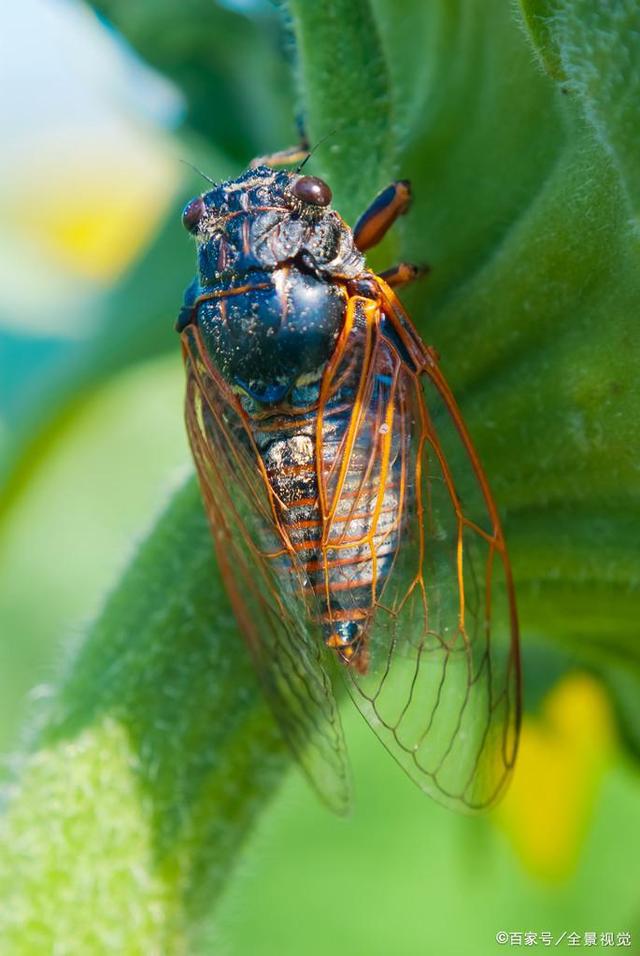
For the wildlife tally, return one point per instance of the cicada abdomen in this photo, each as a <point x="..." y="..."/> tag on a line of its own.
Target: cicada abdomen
<point x="324" y="437"/>
<point x="335" y="463"/>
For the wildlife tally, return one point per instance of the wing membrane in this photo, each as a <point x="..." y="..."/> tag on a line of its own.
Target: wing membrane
<point x="441" y="687"/>
<point x="407" y="514"/>
<point x="266" y="590"/>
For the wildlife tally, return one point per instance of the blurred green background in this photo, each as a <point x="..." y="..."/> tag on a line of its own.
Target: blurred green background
<point x="518" y="128"/>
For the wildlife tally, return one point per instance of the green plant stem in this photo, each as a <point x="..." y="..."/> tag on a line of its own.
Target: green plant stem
<point x="155" y="758"/>
<point x="344" y="79"/>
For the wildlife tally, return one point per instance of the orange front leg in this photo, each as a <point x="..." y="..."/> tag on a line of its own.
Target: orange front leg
<point x="381" y="214"/>
<point x="403" y="273"/>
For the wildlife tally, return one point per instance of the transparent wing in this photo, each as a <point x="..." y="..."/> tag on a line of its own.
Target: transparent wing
<point x="441" y="685"/>
<point x="266" y="591"/>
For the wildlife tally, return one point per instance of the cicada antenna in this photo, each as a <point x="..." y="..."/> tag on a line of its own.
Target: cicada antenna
<point x="314" y="148"/>
<point x="199" y="172"/>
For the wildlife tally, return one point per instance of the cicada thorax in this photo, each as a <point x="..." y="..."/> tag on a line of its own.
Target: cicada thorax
<point x="332" y="457"/>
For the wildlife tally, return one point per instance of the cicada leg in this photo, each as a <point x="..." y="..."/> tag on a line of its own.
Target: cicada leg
<point x="376" y="221"/>
<point x="403" y="273"/>
<point x="284" y="157"/>
<point x="381" y="214"/>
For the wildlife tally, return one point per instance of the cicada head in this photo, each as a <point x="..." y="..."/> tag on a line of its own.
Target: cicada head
<point x="266" y="218"/>
<point x="273" y="260"/>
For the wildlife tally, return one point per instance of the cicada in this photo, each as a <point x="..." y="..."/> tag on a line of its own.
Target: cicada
<point x="353" y="524"/>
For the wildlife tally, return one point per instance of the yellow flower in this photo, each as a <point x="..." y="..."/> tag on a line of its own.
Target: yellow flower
<point x="95" y="206"/>
<point x="563" y="756"/>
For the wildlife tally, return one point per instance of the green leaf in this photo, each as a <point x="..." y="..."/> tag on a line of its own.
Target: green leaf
<point x="79" y="520"/>
<point x="344" y="88"/>
<point x="623" y="680"/>
<point x="537" y="16"/>
<point x="594" y="48"/>
<point x="156" y="756"/>
<point x="237" y="90"/>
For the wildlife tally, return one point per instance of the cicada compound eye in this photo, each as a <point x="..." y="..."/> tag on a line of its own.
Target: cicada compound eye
<point x="193" y="213"/>
<point x="313" y="190"/>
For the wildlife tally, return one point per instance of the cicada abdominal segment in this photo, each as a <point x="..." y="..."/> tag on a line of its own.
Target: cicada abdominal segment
<point x="351" y="517"/>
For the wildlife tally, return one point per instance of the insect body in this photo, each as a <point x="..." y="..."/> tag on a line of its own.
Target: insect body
<point x="352" y="521"/>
